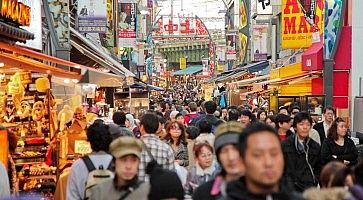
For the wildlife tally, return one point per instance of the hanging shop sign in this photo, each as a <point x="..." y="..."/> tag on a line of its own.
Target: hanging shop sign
<point x="127" y="23"/>
<point x="92" y="16"/>
<point x="260" y="42"/>
<point x="333" y="18"/>
<point x="15" y="11"/>
<point x="264" y="7"/>
<point x="231" y="46"/>
<point x="35" y="26"/>
<point x="183" y="63"/>
<point x="243" y="29"/>
<point x="296" y="30"/>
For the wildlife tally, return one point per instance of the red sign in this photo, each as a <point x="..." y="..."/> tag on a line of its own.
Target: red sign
<point x="16" y="12"/>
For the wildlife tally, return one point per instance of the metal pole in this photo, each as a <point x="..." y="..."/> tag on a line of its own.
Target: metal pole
<point x="328" y="81"/>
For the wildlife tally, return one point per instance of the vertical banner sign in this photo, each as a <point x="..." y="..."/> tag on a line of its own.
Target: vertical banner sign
<point x="296" y="32"/>
<point x="260" y="42"/>
<point x="231" y="46"/>
<point x="92" y="16"/>
<point x="35" y="26"/>
<point x="183" y="63"/>
<point x="59" y="9"/>
<point x="110" y="40"/>
<point x="244" y="29"/>
<point x="127" y="21"/>
<point x="264" y="7"/>
<point x="333" y="17"/>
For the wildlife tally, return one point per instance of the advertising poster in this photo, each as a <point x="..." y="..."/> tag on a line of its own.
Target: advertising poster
<point x="231" y="47"/>
<point x="264" y="7"/>
<point x="260" y="42"/>
<point x="333" y="17"/>
<point x="92" y="16"/>
<point x="35" y="26"/>
<point x="296" y="32"/>
<point x="242" y="47"/>
<point x="127" y="21"/>
<point x="242" y="14"/>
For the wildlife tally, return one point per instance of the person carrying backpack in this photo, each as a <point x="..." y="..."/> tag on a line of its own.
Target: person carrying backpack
<point x="190" y="118"/>
<point x="80" y="176"/>
<point x="127" y="153"/>
<point x="210" y="108"/>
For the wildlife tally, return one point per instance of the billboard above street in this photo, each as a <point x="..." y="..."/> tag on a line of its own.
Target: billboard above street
<point x="92" y="16"/>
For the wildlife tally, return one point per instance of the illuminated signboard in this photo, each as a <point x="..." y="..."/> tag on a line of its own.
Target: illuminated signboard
<point x="296" y="32"/>
<point x="15" y="11"/>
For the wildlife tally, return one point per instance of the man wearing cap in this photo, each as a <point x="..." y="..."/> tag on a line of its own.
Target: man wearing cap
<point x="225" y="145"/>
<point x="126" y="152"/>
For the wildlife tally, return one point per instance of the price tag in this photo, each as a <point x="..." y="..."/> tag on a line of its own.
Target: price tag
<point x="82" y="147"/>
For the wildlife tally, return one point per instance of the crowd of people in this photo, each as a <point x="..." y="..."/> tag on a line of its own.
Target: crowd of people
<point x="195" y="150"/>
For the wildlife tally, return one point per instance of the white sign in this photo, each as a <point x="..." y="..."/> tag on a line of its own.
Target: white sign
<point x="35" y="24"/>
<point x="92" y="16"/>
<point x="264" y="7"/>
<point x="82" y="147"/>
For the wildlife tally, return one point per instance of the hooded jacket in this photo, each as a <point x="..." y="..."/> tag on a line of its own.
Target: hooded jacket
<point x="237" y="190"/>
<point x="302" y="162"/>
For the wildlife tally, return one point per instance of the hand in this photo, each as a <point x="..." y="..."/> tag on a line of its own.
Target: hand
<point x="346" y="162"/>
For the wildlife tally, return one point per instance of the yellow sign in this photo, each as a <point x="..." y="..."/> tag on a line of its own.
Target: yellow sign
<point x="296" y="32"/>
<point x="183" y="63"/>
<point x="220" y="68"/>
<point x="15" y="11"/>
<point x="82" y="147"/>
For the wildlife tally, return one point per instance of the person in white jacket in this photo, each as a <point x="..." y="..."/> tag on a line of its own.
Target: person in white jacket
<point x="4" y="183"/>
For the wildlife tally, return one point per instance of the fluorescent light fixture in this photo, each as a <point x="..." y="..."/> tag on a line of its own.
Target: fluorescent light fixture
<point x="2" y="64"/>
<point x="77" y="67"/>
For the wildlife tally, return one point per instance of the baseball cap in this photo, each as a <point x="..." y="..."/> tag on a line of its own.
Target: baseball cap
<point x="227" y="133"/>
<point x="124" y="146"/>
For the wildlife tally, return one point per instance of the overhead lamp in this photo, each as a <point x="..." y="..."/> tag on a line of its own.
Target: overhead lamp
<point x="66" y="81"/>
<point x="77" y="67"/>
<point x="74" y="80"/>
<point x="2" y="64"/>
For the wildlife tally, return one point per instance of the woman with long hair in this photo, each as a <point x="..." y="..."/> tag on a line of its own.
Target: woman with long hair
<point x="338" y="145"/>
<point x="177" y="140"/>
<point x="262" y="116"/>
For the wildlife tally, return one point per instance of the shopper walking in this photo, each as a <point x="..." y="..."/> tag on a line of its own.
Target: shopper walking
<point x="323" y="127"/>
<point x="177" y="140"/>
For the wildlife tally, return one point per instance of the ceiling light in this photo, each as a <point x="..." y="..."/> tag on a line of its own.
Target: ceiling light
<point x="2" y="64"/>
<point x="77" y="67"/>
<point x="74" y="80"/>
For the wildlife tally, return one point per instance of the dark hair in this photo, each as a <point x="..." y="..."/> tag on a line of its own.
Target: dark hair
<point x="301" y="116"/>
<point x="193" y="132"/>
<point x="252" y="129"/>
<point x="232" y="107"/>
<point x="193" y="106"/>
<point x="332" y="131"/>
<point x="295" y="107"/>
<point x="210" y="107"/>
<point x="178" y="115"/>
<point x="204" y="126"/>
<point x="233" y="115"/>
<point x="283" y="107"/>
<point x="334" y="174"/>
<point x="281" y="118"/>
<point x="260" y="112"/>
<point x="249" y="114"/>
<point x="358" y="173"/>
<point x="272" y="118"/>
<point x="119" y="118"/>
<point x="255" y="110"/>
<point x="198" y="148"/>
<point x="182" y="138"/>
<point x="161" y="119"/>
<point x="99" y="137"/>
<point x="13" y="141"/>
<point x="328" y="108"/>
<point x="150" y="122"/>
<point x="273" y="112"/>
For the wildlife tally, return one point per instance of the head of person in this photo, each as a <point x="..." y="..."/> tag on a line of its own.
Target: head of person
<point x="294" y="111"/>
<point x="246" y="117"/>
<point x="173" y="115"/>
<point x="226" y="147"/>
<point x="338" y="129"/>
<point x="261" y="115"/>
<point x="193" y="107"/>
<point x="210" y="107"/>
<point x="270" y="120"/>
<point x="130" y="121"/>
<point x="119" y="118"/>
<point x="282" y="122"/>
<point x="176" y="133"/>
<point x="329" y="113"/>
<point x="336" y="174"/>
<point x="314" y="101"/>
<point x="262" y="157"/>
<point x="224" y="112"/>
<point x="233" y="115"/>
<point x="99" y="137"/>
<point x="192" y="132"/>
<point x="180" y="118"/>
<point x="283" y="110"/>
<point x="271" y="112"/>
<point x="204" y="126"/>
<point x="149" y="124"/>
<point x="126" y="152"/>
<point x="302" y="124"/>
<point x="203" y="153"/>
<point x="162" y="122"/>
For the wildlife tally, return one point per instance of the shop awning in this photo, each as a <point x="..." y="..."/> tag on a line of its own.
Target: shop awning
<point x="14" y="56"/>
<point x="256" y="67"/>
<point x="189" y="70"/>
<point x="250" y="80"/>
<point x="312" y="59"/>
<point x="102" y="79"/>
<point x="14" y="33"/>
<point x="293" y="79"/>
<point x="96" y="53"/>
<point x="144" y="86"/>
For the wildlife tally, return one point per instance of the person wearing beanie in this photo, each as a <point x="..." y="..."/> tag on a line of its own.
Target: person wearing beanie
<point x="126" y="152"/>
<point x="228" y="156"/>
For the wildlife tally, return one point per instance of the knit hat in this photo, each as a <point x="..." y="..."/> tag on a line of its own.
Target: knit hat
<point x="227" y="133"/>
<point x="165" y="184"/>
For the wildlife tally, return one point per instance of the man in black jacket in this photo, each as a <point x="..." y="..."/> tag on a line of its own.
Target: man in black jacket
<point x="323" y="126"/>
<point x="302" y="154"/>
<point x="210" y="108"/>
<point x="264" y="164"/>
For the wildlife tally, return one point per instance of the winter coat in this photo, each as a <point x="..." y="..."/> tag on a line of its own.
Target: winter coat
<point x="237" y="190"/>
<point x="197" y="176"/>
<point x="346" y="152"/>
<point x="212" y="190"/>
<point x="302" y="162"/>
